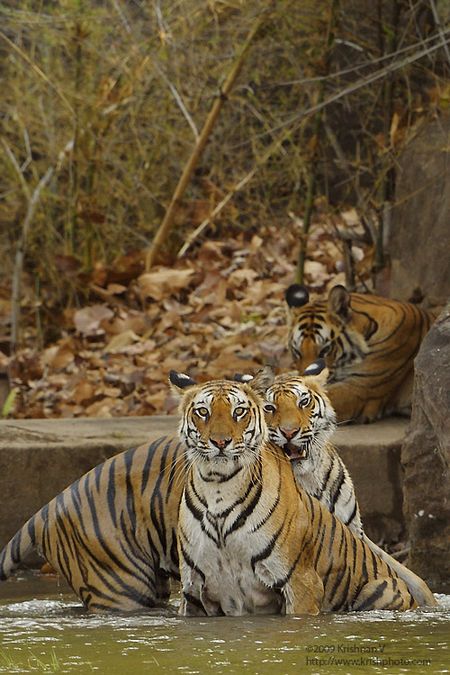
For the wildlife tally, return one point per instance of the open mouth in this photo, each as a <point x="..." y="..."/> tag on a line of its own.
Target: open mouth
<point x="295" y="452"/>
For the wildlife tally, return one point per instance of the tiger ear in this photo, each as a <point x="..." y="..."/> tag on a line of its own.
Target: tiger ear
<point x="260" y="382"/>
<point x="296" y="295"/>
<point x="319" y="371"/>
<point x="339" y="302"/>
<point x="179" y="382"/>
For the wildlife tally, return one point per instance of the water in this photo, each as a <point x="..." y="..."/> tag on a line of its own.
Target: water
<point x="44" y="629"/>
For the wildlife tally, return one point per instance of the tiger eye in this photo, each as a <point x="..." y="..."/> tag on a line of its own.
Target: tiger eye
<point x="240" y="411"/>
<point x="203" y="412"/>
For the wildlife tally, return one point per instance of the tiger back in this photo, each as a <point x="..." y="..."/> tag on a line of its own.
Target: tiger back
<point x="249" y="540"/>
<point x="112" y="533"/>
<point x="369" y="344"/>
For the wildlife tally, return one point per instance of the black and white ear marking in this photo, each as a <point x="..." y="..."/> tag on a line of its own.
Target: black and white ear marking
<point x="180" y="380"/>
<point x="296" y="295"/>
<point x="315" y="368"/>
<point x="242" y="377"/>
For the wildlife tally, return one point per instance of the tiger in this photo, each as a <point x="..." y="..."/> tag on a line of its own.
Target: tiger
<point x="250" y="541"/>
<point x="112" y="533"/>
<point x="301" y="421"/>
<point x="369" y="344"/>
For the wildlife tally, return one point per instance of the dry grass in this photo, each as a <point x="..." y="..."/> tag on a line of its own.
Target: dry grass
<point x="111" y="95"/>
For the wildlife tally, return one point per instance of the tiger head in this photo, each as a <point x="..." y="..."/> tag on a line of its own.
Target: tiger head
<point x="300" y="416"/>
<point x="222" y="421"/>
<point x="328" y="329"/>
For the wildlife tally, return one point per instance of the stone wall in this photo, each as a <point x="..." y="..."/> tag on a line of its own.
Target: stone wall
<point x="426" y="460"/>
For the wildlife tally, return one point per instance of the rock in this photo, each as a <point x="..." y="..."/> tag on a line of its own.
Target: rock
<point x="371" y="453"/>
<point x="421" y="232"/>
<point x="426" y="460"/>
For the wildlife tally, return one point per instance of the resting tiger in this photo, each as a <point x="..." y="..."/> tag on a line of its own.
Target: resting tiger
<point x="112" y="533"/>
<point x="249" y="540"/>
<point x="369" y="344"/>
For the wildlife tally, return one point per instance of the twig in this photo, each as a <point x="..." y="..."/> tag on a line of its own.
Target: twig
<point x="437" y="21"/>
<point x="311" y="184"/>
<point x="402" y="553"/>
<point x="18" y="264"/>
<point x="167" y="223"/>
<point x="37" y="70"/>
<point x="392" y="67"/>
<point x="179" y="101"/>
<point x="218" y="208"/>
<point x="17" y="168"/>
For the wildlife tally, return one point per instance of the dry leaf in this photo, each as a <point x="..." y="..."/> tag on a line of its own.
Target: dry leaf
<point x="87" y="320"/>
<point x="163" y="282"/>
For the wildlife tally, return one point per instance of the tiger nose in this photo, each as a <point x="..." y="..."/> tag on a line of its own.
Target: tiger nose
<point x="220" y="443"/>
<point x="289" y="433"/>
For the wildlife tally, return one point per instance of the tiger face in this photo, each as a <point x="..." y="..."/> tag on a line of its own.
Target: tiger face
<point x="300" y="416"/>
<point x="329" y="329"/>
<point x="222" y="422"/>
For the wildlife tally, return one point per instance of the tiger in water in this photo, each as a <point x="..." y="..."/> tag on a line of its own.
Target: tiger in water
<point x="249" y="540"/>
<point x="369" y="344"/>
<point x="112" y="533"/>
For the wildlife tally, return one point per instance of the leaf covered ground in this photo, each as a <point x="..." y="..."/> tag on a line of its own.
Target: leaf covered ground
<point x="218" y="311"/>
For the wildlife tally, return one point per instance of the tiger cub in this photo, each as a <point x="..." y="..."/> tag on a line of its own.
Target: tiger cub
<point x="249" y="540"/>
<point x="369" y="344"/>
<point x="301" y="421"/>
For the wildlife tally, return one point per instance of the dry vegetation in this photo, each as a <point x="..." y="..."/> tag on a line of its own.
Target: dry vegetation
<point x="102" y="104"/>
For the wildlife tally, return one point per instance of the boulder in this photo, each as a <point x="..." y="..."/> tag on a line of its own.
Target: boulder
<point x="426" y="460"/>
<point x="421" y="233"/>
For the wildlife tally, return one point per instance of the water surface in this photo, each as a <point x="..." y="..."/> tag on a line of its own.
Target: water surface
<point x="44" y="629"/>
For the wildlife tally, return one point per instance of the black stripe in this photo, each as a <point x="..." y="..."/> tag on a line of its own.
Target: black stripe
<point x="352" y="515"/>
<point x="175" y="463"/>
<point x="265" y="553"/>
<point x="369" y="602"/>
<point x="151" y="451"/>
<point x="111" y="492"/>
<point x="194" y="601"/>
<point x="130" y="507"/>
<point x="189" y="562"/>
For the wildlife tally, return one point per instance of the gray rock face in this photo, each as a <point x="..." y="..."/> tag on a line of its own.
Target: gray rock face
<point x="421" y="232"/>
<point x="426" y="459"/>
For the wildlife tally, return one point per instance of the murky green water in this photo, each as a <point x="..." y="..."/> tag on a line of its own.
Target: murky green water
<point x="42" y="629"/>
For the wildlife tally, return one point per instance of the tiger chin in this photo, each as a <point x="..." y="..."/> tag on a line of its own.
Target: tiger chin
<point x="250" y="541"/>
<point x="368" y="343"/>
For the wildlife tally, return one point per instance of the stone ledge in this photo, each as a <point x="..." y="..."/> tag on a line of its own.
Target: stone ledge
<point x="39" y="458"/>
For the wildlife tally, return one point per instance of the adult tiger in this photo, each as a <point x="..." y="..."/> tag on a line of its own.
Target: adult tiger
<point x="249" y="540"/>
<point x="369" y="344"/>
<point x="112" y="533"/>
<point x="302" y="421"/>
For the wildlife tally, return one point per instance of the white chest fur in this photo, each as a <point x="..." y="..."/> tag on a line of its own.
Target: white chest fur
<point x="221" y="525"/>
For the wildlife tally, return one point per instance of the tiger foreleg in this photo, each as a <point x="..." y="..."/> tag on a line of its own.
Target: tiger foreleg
<point x="302" y="592"/>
